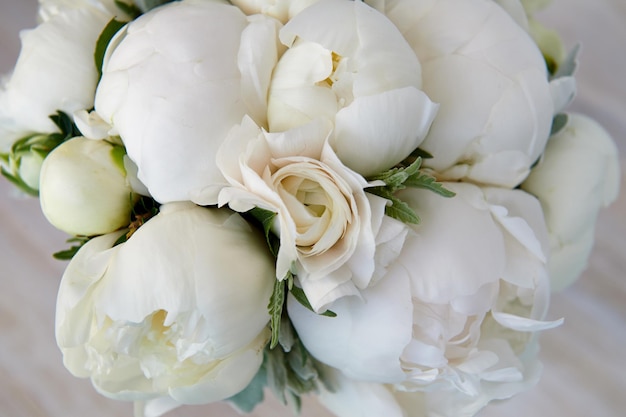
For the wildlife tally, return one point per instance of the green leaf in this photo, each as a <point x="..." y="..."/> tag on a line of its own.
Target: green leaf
<point x="147" y="5"/>
<point x="558" y="123"/>
<point x="424" y="180"/>
<point x="104" y="39"/>
<point x="65" y="123"/>
<point x="400" y="210"/>
<point x="299" y="295"/>
<point x="66" y="255"/>
<point x="395" y="177"/>
<point x="265" y="219"/>
<point x="275" y="308"/>
<point x="253" y="394"/>
<point x="130" y="9"/>
<point x="19" y="183"/>
<point x="293" y="373"/>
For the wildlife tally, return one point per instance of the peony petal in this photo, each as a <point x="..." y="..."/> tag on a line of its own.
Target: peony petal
<point x="456" y="238"/>
<point x="523" y="324"/>
<point x="258" y="53"/>
<point x="372" y="330"/>
<point x="350" y="398"/>
<point x="376" y="132"/>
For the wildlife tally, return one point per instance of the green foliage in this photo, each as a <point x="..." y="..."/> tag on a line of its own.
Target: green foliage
<point x="300" y="296"/>
<point x="130" y="9"/>
<point x="277" y="305"/>
<point x="147" y="5"/>
<point x="104" y="39"/>
<point x="399" y="178"/>
<point x="36" y="145"/>
<point x="66" y="255"/>
<point x="558" y="123"/>
<point x="265" y="220"/>
<point x="66" y="125"/>
<point x="289" y="371"/>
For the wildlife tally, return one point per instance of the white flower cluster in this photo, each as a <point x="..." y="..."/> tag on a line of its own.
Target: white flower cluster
<point x="200" y="119"/>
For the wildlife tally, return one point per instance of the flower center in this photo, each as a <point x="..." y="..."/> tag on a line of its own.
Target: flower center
<point x="318" y="205"/>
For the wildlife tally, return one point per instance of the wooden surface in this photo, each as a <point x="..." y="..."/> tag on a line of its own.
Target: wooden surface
<point x="585" y="359"/>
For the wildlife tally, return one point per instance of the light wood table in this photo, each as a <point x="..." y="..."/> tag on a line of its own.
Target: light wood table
<point x="585" y="359"/>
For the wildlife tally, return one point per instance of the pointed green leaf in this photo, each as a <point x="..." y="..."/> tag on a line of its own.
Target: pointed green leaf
<point x="275" y="308"/>
<point x="400" y="210"/>
<point x="299" y="295"/>
<point x="104" y="39"/>
<point x="423" y="180"/>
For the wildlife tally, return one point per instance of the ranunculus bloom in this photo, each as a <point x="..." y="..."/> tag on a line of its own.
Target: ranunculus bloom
<point x="176" y="80"/>
<point x="172" y="312"/>
<point x="491" y="81"/>
<point x="83" y="188"/>
<point x="577" y="176"/>
<point x="55" y="71"/>
<point x="348" y="63"/>
<point x="456" y="311"/>
<point x="333" y="235"/>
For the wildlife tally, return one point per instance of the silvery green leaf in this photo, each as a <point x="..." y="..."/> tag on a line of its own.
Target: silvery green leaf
<point x="558" y="123"/>
<point x="253" y="394"/>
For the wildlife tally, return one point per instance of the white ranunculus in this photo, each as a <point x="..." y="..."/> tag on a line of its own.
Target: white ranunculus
<point x="333" y="235"/>
<point x="457" y="309"/>
<point x="55" y="71"/>
<point x="83" y="188"/>
<point x="577" y="176"/>
<point x="348" y="62"/>
<point x="491" y="82"/>
<point x="176" y="80"/>
<point x="172" y="312"/>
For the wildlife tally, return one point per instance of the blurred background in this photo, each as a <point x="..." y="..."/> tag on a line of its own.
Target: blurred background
<point x="584" y="359"/>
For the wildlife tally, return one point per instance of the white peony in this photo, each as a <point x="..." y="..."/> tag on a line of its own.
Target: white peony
<point x="348" y="63"/>
<point x="171" y="313"/>
<point x="488" y="75"/>
<point x="577" y="176"/>
<point x="83" y="189"/>
<point x="333" y="235"/>
<point x="176" y="80"/>
<point x="50" y="8"/>
<point x="282" y="10"/>
<point x="457" y="310"/>
<point x="55" y="71"/>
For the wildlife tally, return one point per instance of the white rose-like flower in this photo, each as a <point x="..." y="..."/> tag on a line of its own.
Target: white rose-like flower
<point x="578" y="175"/>
<point x="55" y="71"/>
<point x="176" y="80"/>
<point x="457" y="308"/>
<point x="491" y="81"/>
<point x="333" y="235"/>
<point x="348" y="62"/>
<point x="83" y="188"/>
<point x="172" y="312"/>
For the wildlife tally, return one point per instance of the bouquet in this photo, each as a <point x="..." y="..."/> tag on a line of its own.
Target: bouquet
<point x="365" y="201"/>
